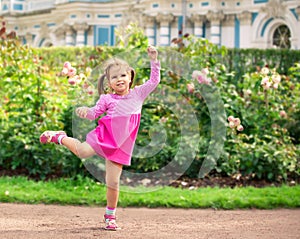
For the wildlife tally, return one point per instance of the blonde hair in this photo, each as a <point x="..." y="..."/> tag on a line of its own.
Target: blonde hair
<point x="114" y="62"/>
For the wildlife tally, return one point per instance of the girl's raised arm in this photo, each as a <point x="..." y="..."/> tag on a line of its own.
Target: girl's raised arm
<point x="152" y="53"/>
<point x="145" y="89"/>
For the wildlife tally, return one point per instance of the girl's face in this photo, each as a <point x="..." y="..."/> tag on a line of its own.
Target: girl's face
<point x="119" y="80"/>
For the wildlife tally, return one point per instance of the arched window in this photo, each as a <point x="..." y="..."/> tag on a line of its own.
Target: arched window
<point x="281" y="37"/>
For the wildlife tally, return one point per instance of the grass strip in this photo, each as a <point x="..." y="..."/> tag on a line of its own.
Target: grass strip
<point x="88" y="192"/>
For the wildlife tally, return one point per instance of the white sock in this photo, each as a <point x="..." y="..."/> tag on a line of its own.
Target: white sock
<point x="110" y="211"/>
<point x="60" y="138"/>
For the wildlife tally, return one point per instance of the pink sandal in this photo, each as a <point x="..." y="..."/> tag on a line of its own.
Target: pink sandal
<point x="51" y="136"/>
<point x="110" y="223"/>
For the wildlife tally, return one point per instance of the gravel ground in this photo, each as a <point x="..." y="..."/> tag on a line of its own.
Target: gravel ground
<point x="62" y="222"/>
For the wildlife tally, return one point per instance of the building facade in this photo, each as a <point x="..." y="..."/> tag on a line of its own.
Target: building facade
<point x="231" y="23"/>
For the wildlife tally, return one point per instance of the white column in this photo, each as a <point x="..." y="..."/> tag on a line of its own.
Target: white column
<point x="228" y="34"/>
<point x="215" y="19"/>
<point x="80" y="29"/>
<point x="198" y="24"/>
<point x="150" y="31"/>
<point x="69" y="35"/>
<point x="296" y="40"/>
<point x="164" y="31"/>
<point x="245" y="29"/>
<point x="60" y="37"/>
<point x="28" y="37"/>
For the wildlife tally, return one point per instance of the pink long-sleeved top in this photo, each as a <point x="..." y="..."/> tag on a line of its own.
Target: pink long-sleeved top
<point x="115" y="135"/>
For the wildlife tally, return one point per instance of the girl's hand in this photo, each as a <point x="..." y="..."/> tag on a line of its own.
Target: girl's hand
<point x="82" y="111"/>
<point x="152" y="53"/>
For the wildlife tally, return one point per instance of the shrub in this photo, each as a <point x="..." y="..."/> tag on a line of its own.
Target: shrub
<point x="243" y="61"/>
<point x="35" y="97"/>
<point x="27" y="109"/>
<point x="265" y="149"/>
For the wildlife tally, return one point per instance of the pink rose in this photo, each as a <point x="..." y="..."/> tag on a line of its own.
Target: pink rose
<point x="90" y="90"/>
<point x="205" y="71"/>
<point x="275" y="85"/>
<point x="78" y="79"/>
<point x="247" y="93"/>
<point x="85" y="85"/>
<point x="64" y="71"/>
<point x="67" y="65"/>
<point x="264" y="80"/>
<point x="267" y="85"/>
<point x="276" y="78"/>
<point x="208" y="81"/>
<point x="265" y="70"/>
<point x="230" y="118"/>
<point x="236" y="121"/>
<point x="283" y="114"/>
<point x="82" y="76"/>
<point x="72" y="81"/>
<point x="190" y="87"/>
<point x="231" y="124"/>
<point x="195" y="74"/>
<point x="203" y="80"/>
<point x="163" y="119"/>
<point x="72" y="72"/>
<point x="240" y="127"/>
<point x="201" y="76"/>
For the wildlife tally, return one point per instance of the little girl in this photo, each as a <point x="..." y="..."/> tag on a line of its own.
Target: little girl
<point x="114" y="137"/>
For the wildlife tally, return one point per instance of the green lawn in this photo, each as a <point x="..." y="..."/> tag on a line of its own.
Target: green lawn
<point x="88" y="192"/>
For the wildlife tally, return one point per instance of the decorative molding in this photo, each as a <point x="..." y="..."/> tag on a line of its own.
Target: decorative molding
<point x="67" y="28"/>
<point x="165" y="18"/>
<point x="245" y="17"/>
<point x="148" y="20"/>
<point x="81" y="26"/>
<point x="215" y="17"/>
<point x="132" y="14"/>
<point x="274" y="9"/>
<point x="229" y="20"/>
<point x="60" y="31"/>
<point x="197" y="18"/>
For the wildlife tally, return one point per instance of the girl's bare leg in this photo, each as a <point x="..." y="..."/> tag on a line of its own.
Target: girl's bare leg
<point x="81" y="150"/>
<point x="113" y="174"/>
<point x="113" y="170"/>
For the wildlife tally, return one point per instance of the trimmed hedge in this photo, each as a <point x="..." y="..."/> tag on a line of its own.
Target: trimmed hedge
<point x="242" y="61"/>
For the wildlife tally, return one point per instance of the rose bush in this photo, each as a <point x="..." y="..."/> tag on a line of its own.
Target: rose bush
<point x="31" y="102"/>
<point x="266" y="148"/>
<point x="263" y="146"/>
<point x="262" y="107"/>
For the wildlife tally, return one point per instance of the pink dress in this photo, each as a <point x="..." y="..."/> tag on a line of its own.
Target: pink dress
<point x="115" y="135"/>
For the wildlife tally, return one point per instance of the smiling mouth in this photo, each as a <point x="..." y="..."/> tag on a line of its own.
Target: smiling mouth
<point x="120" y="84"/>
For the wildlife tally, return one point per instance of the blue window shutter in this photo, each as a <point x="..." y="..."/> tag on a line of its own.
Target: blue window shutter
<point x="103" y="37"/>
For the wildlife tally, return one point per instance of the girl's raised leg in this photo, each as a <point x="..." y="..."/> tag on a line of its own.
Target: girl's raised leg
<point x="81" y="150"/>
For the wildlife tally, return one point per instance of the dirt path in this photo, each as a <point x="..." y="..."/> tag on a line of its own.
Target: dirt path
<point x="63" y="222"/>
